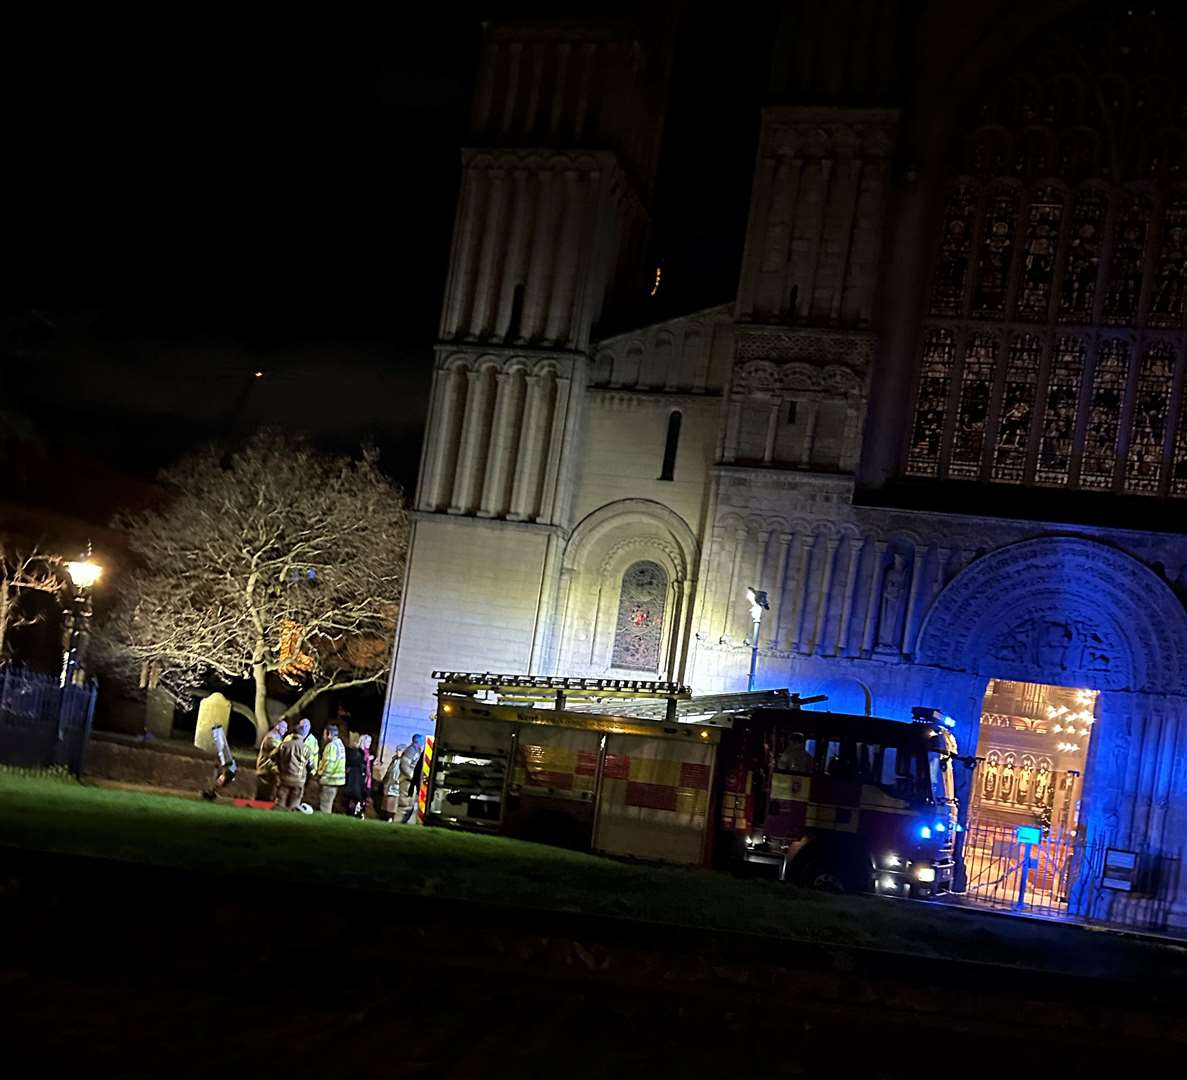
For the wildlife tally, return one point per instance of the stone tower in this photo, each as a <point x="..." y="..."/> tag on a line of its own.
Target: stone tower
<point x="551" y="229"/>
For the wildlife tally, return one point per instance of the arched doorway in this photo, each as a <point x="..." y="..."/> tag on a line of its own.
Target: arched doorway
<point x="1074" y="613"/>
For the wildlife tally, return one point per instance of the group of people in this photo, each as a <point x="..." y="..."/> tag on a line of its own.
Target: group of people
<point x="288" y="760"/>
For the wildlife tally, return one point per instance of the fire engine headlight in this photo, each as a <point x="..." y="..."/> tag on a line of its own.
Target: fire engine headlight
<point x="892" y="862"/>
<point x="926" y="874"/>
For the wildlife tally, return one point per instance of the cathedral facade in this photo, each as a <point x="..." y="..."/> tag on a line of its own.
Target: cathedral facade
<point x="941" y="423"/>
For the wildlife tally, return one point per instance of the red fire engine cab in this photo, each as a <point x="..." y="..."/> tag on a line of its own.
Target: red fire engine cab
<point x="840" y="801"/>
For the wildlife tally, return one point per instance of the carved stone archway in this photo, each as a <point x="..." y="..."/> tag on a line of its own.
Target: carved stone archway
<point x="1074" y="612"/>
<point x="1060" y="610"/>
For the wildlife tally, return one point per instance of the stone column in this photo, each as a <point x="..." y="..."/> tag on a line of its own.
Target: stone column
<point x="464" y="479"/>
<point x="825" y="588"/>
<point x="768" y="454"/>
<point x="732" y="596"/>
<point x="496" y="460"/>
<point x="529" y="449"/>
<point x="559" y="323"/>
<point x="876" y="571"/>
<point x="782" y="595"/>
<point x="803" y="569"/>
<point x="443" y="444"/>
<point x="486" y="287"/>
<point x="918" y="565"/>
<point x="733" y="417"/>
<point x="856" y="547"/>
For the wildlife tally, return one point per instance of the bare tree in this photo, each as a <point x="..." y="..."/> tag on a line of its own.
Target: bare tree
<point x="272" y="559"/>
<point x="24" y="570"/>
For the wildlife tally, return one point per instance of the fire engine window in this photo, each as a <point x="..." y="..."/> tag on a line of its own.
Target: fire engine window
<point x="840" y="760"/>
<point x="794" y="755"/>
<point x="898" y="773"/>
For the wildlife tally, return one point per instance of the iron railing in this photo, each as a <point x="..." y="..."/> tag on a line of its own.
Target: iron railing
<point x="1062" y="875"/>
<point x="42" y="723"/>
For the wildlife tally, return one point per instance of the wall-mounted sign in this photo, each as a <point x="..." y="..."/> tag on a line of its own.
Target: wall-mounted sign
<point x="1121" y="870"/>
<point x="1028" y="834"/>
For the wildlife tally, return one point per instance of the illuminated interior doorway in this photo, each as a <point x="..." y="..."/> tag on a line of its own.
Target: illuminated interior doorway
<point x="1024" y="806"/>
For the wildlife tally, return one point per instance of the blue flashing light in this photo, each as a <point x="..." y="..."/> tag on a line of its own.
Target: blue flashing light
<point x="958" y="827"/>
<point x="941" y="827"/>
<point x="949" y="722"/>
<point x="925" y="832"/>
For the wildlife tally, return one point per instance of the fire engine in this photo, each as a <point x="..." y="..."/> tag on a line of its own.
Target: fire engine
<point x="642" y="769"/>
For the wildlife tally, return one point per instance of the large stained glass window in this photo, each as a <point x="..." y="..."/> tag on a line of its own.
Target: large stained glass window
<point x="992" y="278"/>
<point x="1082" y="266"/>
<point x="1170" y="274"/>
<point x="960" y="212"/>
<point x="1126" y="263"/>
<point x="972" y="410"/>
<point x="1151" y="411"/>
<point x="1109" y="376"/>
<point x="1017" y="408"/>
<point x="639" y="629"/>
<point x="931" y="403"/>
<point x="1179" y="457"/>
<point x="1040" y="245"/>
<point x="1059" y="415"/>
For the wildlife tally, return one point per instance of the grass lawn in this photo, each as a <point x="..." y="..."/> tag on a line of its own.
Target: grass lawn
<point x="62" y="816"/>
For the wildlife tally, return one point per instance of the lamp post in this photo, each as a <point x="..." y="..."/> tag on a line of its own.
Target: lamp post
<point x="757" y="599"/>
<point x="83" y="573"/>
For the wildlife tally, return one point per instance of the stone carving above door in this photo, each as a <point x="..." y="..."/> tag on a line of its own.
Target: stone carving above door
<point x="1062" y="610"/>
<point x="1072" y="647"/>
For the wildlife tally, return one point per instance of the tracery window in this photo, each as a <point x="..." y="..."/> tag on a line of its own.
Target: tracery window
<point x="1151" y="409"/>
<point x="1017" y="408"/>
<point x="638" y="631"/>
<point x="972" y="411"/>
<point x="1059" y="416"/>
<point x="1104" y="414"/>
<point x="1066" y="211"/>
<point x="1040" y="244"/>
<point x="935" y="381"/>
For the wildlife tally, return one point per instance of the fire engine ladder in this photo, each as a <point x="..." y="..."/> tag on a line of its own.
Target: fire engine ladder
<point x="568" y="692"/>
<point x="705" y="709"/>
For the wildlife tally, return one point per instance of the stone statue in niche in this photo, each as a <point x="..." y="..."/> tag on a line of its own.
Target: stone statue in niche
<point x="894" y="597"/>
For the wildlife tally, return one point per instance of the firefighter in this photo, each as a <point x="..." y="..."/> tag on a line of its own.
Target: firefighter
<point x="410" y="763"/>
<point x="331" y="771"/>
<point x="305" y="731"/>
<point x="266" y="770"/>
<point x="292" y="765"/>
<point x="225" y="768"/>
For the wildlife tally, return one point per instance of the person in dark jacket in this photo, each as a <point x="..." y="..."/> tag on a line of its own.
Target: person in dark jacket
<point x="358" y="779"/>
<point x="292" y="765"/>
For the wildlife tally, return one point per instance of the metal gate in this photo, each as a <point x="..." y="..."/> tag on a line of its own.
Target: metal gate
<point x="1058" y="873"/>
<point x="43" y="724"/>
<point x="1004" y="871"/>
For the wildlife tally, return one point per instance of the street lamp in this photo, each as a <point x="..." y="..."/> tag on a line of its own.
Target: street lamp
<point x="84" y="573"/>
<point x="757" y="599"/>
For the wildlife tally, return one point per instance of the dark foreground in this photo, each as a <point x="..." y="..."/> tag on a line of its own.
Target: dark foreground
<point x="127" y="970"/>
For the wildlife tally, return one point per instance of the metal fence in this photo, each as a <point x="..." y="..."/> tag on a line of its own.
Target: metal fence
<point x="43" y="724"/>
<point x="1062" y="875"/>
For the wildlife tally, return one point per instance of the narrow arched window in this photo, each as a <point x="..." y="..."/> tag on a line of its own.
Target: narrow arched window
<point x="514" y="325"/>
<point x="639" y="628"/>
<point x="670" y="447"/>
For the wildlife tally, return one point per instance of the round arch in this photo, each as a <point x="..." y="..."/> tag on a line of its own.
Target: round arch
<point x="1059" y="610"/>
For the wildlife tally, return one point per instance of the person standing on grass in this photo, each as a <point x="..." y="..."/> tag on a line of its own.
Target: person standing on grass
<point x="410" y="762"/>
<point x="305" y="730"/>
<point x="225" y="768"/>
<point x="292" y="767"/>
<point x="266" y="769"/>
<point x="390" y="786"/>
<point x="331" y="771"/>
<point x="358" y="774"/>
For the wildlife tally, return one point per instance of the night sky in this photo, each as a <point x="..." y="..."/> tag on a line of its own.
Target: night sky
<point x="195" y="201"/>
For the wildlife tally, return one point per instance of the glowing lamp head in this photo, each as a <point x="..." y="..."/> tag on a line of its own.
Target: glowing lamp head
<point x="924" y="832"/>
<point x="84" y="573"/>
